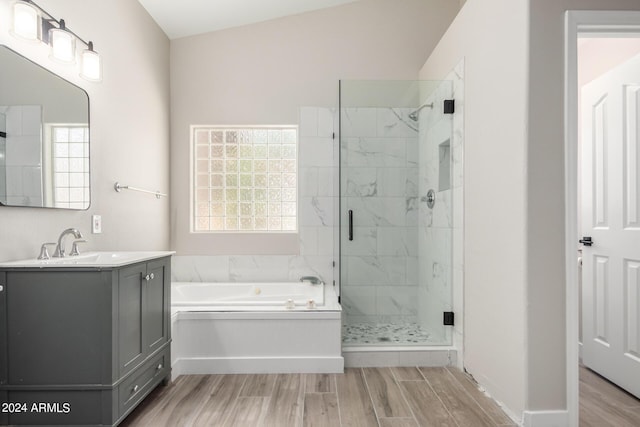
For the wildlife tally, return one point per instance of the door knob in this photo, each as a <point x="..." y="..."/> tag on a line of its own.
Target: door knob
<point x="586" y="240"/>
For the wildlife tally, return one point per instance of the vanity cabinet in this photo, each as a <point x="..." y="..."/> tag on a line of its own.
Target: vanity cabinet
<point x="82" y="345"/>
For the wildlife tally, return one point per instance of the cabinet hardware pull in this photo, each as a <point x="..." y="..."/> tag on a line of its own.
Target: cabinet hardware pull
<point x="147" y="277"/>
<point x="136" y="388"/>
<point x="159" y="367"/>
<point x="151" y="276"/>
<point x="350" y="224"/>
<point x="1" y="288"/>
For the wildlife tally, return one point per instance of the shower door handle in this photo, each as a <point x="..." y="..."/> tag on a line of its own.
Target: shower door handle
<point x="350" y="224"/>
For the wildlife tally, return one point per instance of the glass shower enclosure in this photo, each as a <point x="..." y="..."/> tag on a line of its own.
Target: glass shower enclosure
<point x="395" y="212"/>
<point x="3" y="157"/>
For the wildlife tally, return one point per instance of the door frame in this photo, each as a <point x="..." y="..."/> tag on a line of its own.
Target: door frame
<point x="603" y="23"/>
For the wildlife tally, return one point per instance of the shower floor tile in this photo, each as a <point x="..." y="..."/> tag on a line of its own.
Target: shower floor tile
<point x="384" y="333"/>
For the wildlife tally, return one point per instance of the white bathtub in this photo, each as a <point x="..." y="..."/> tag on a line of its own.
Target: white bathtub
<point x="234" y="295"/>
<point x="249" y="328"/>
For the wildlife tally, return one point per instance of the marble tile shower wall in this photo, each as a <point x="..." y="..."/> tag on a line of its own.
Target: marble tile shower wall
<point x="317" y="168"/>
<point x="380" y="184"/>
<point x="441" y="138"/>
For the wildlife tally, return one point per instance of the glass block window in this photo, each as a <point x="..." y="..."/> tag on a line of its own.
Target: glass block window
<point x="245" y="179"/>
<point x="70" y="146"/>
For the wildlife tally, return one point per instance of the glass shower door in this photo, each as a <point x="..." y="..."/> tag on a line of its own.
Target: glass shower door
<point x="395" y="246"/>
<point x="3" y="155"/>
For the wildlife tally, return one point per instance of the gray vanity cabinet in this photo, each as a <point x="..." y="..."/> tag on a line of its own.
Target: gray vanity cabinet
<point x="82" y="345"/>
<point x="143" y="321"/>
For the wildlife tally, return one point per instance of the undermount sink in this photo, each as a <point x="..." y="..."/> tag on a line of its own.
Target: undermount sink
<point x="90" y="259"/>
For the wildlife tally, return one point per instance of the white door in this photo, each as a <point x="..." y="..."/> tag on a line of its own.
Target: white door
<point x="611" y="217"/>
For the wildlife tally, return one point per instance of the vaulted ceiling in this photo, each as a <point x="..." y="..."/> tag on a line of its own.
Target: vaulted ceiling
<point x="181" y="18"/>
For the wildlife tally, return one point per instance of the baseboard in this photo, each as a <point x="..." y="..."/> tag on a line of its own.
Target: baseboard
<point x="257" y="365"/>
<point x="545" y="419"/>
<point x="580" y="351"/>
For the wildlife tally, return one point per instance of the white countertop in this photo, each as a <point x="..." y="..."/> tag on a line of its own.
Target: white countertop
<point x="90" y="260"/>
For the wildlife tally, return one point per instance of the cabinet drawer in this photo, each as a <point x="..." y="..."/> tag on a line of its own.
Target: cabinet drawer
<point x="143" y="380"/>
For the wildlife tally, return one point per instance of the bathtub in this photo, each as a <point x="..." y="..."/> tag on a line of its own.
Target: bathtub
<point x="247" y="296"/>
<point x="289" y="327"/>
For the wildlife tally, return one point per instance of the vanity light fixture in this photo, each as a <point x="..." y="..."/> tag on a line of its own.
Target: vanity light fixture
<point x="31" y="22"/>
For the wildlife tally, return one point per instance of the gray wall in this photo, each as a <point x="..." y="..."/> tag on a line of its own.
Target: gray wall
<point x="129" y="130"/>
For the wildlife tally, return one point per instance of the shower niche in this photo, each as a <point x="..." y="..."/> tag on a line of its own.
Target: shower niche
<point x="444" y="166"/>
<point x="395" y="250"/>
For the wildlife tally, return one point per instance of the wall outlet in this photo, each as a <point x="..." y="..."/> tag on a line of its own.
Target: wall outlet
<point x="96" y="224"/>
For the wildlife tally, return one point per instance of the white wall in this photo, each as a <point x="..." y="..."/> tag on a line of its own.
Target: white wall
<point x="545" y="174"/>
<point x="43" y="89"/>
<point x="514" y="247"/>
<point x="262" y="74"/>
<point x="129" y="130"/>
<point x="495" y="55"/>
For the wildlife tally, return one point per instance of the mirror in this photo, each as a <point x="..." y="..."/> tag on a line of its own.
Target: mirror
<point x="44" y="137"/>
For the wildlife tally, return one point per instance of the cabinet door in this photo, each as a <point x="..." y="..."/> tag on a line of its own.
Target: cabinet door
<point x="4" y="372"/>
<point x="55" y="326"/>
<point x="155" y="324"/>
<point x="131" y="349"/>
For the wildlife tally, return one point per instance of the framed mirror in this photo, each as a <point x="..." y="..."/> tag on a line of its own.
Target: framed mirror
<point x="44" y="137"/>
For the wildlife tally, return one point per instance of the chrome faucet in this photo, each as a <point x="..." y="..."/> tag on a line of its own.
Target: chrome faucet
<point x="312" y="279"/>
<point x="60" y="252"/>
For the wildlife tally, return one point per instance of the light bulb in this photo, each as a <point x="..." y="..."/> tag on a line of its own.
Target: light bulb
<point x="91" y="64"/>
<point x="63" y="44"/>
<point x="25" y="21"/>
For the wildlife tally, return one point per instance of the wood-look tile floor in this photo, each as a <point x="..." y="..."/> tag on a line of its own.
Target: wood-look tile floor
<point x="385" y="397"/>
<point x="603" y="404"/>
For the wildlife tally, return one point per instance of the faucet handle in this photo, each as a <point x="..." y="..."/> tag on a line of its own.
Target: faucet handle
<point x="44" y="253"/>
<point x="74" y="247"/>
<point x="312" y="279"/>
